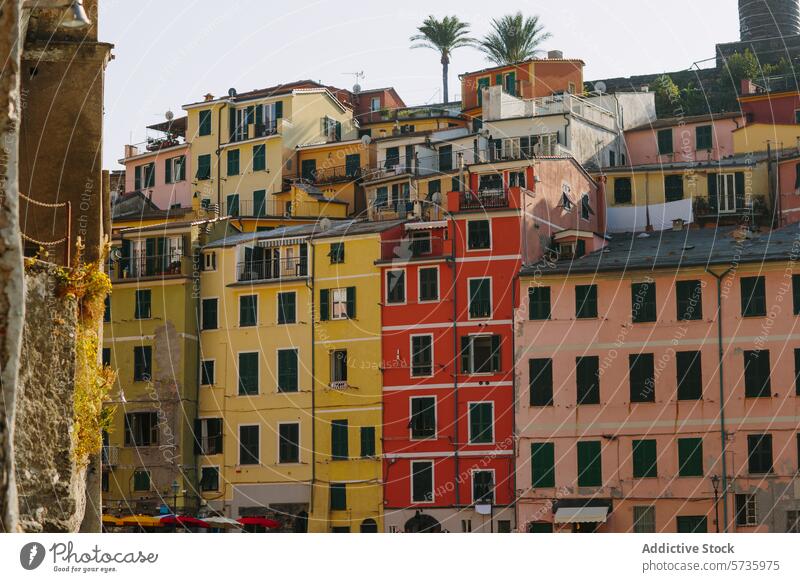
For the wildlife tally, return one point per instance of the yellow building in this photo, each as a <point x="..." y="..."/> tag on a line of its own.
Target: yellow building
<point x="150" y="338"/>
<point x="243" y="149"/>
<point x="348" y="491"/>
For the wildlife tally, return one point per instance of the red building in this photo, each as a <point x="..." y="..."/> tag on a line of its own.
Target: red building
<point x="449" y="292"/>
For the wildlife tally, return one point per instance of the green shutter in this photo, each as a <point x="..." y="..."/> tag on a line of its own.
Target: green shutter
<point x="466" y="349"/>
<point x="168" y="171"/>
<point x="260" y="203"/>
<point x="590" y="472"/>
<point x="644" y="459"/>
<point x="232" y="124"/>
<point x="740" y="190"/>
<point x="287" y="371"/>
<point x="496" y="353"/>
<point x="713" y="197"/>
<point x="690" y="457"/>
<point x="540" y="380"/>
<point x="339" y="449"/>
<point x="367" y="441"/>
<point x="338" y="496"/>
<point x="351" y="302"/>
<point x="278" y="109"/>
<point x="324" y="304"/>
<point x="543" y="460"/>
<point x="480" y="422"/>
<point x="248" y="374"/>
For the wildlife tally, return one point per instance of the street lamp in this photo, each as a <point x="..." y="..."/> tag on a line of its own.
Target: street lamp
<point x="715" y="484"/>
<point x="175" y="488"/>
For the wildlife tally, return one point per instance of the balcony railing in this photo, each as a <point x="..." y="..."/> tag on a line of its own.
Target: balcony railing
<point x="410" y="114"/>
<point x="110" y="456"/>
<point x="270" y="208"/>
<point x="487" y="198"/>
<point x="150" y="265"/>
<point x="335" y="174"/>
<point x="272" y="269"/>
<point x="567" y="103"/>
<point x="254" y="130"/>
<point x="756" y="207"/>
<point x="418" y="245"/>
<point x="419" y="166"/>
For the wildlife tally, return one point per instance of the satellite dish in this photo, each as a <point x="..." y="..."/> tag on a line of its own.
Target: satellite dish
<point x="366" y="140"/>
<point x="231" y="92"/>
<point x="483" y="509"/>
<point x="356" y="88"/>
<point x="600" y="87"/>
<point x="325" y="224"/>
<point x="437" y="198"/>
<point x="169" y="115"/>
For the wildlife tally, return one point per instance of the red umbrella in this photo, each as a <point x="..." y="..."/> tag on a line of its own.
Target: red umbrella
<point x="184" y="520"/>
<point x="262" y="521"/>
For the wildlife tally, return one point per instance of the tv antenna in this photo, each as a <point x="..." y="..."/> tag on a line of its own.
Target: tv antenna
<point x="358" y="75"/>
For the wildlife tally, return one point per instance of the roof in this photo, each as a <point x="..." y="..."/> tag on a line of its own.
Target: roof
<point x="177" y="125"/>
<point x="672" y="121"/>
<point x="342" y="95"/>
<point x="520" y="64"/>
<point x="312" y="190"/>
<point x="138" y="205"/>
<point x="163" y="226"/>
<point x="349" y="227"/>
<point x="690" y="247"/>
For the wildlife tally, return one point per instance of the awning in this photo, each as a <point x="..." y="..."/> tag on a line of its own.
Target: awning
<point x="280" y="242"/>
<point x="431" y="225"/>
<point x="581" y="515"/>
<point x="111" y="520"/>
<point x="223" y="522"/>
<point x="184" y="521"/>
<point x="141" y="521"/>
<point x="259" y="521"/>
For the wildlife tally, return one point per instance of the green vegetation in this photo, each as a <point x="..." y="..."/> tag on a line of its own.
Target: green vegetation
<point x="514" y="38"/>
<point x="443" y="36"/>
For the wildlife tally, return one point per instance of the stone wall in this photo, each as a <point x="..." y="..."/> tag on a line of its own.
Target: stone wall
<point x="51" y="487"/>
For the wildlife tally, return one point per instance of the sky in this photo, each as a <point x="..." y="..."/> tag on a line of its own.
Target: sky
<point x="171" y="52"/>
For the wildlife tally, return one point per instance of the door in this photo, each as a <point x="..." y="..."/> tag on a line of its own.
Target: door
<point x="308" y="170"/>
<point x="692" y="524"/>
<point x="482" y="84"/>
<point x="727" y="193"/>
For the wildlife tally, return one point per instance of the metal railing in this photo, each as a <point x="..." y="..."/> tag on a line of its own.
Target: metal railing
<point x="408" y="114"/>
<point x="254" y="130"/>
<point x="487" y="198"/>
<point x="756" y="206"/>
<point x="413" y="246"/>
<point x="335" y="174"/>
<point x="142" y="264"/>
<point x="110" y="456"/>
<point x="577" y="106"/>
<point x="272" y="269"/>
<point x="418" y="166"/>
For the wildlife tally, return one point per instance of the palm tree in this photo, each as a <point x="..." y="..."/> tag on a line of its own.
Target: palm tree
<point x="444" y="36"/>
<point x="514" y="38"/>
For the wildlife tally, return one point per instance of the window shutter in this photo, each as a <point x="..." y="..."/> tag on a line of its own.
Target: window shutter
<point x="498" y="79"/>
<point x="232" y="123"/>
<point x="198" y="434"/>
<point x="338" y="131"/>
<point x="278" y="109"/>
<point x="351" y="302"/>
<point x="168" y="171"/>
<point x="259" y="115"/>
<point x="712" y="192"/>
<point x="324" y="304"/>
<point x="495" y="353"/>
<point x="137" y="178"/>
<point x="740" y="190"/>
<point x="543" y="465"/>
<point x="466" y="346"/>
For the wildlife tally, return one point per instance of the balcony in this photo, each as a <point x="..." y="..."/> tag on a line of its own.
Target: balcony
<point x="335" y="174"/>
<point x="142" y="265"/>
<point x="424" y="166"/>
<point x="409" y="114"/>
<point x="255" y="130"/>
<point x="110" y="456"/>
<point x="270" y="208"/>
<point x="272" y="269"/>
<point x="485" y="199"/>
<point x="415" y="245"/>
<point x="733" y="211"/>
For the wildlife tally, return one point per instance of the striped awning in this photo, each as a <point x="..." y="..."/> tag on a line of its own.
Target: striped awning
<point x="280" y="242"/>
<point x="581" y="515"/>
<point x="426" y="225"/>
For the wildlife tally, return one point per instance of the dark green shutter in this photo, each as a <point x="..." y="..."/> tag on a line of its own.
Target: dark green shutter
<point x="125" y="256"/>
<point x="168" y="171"/>
<point x="278" y="109"/>
<point x="339" y="449"/>
<point x="232" y="123"/>
<point x="287" y="371"/>
<point x="198" y="427"/>
<point x="351" y="302"/>
<point x="466" y="348"/>
<point x="740" y="190"/>
<point x="644" y="459"/>
<point x="495" y="353"/>
<point x="690" y="457"/>
<point x="324" y="304"/>
<point x="540" y="375"/>
<point x="590" y="472"/>
<point x="713" y="198"/>
<point x="367" y="441"/>
<point x="260" y="203"/>
<point x="543" y="461"/>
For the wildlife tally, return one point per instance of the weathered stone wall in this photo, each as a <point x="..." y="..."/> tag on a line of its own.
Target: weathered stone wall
<point x="51" y="487"/>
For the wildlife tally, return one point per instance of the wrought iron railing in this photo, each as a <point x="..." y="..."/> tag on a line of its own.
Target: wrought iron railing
<point x="270" y="269"/>
<point x="487" y="198"/>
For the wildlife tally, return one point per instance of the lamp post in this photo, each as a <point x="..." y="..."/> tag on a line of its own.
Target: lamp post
<point x="175" y="488"/>
<point x="715" y="484"/>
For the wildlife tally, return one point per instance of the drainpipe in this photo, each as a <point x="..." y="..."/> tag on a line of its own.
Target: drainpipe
<point x="722" y="431"/>
<point x="456" y="356"/>
<point x="219" y="155"/>
<point x="310" y="286"/>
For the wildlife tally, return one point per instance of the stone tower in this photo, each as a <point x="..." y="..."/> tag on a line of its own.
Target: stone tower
<point x="766" y="19"/>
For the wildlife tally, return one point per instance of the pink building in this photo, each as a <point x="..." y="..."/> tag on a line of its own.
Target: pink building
<point x="159" y="168"/>
<point x="683" y="139"/>
<point x="619" y="415"/>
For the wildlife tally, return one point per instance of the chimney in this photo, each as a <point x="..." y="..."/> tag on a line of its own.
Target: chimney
<point x="130" y="151"/>
<point x="208" y="97"/>
<point x="555" y="54"/>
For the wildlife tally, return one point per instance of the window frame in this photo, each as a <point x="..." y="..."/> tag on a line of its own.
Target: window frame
<point x="298" y="445"/>
<point x="472" y="368"/>
<point x="388" y="291"/>
<point x="411" y="338"/>
<point x="279" y="310"/>
<point x="750" y="454"/>
<point x="661" y="133"/>
<point x="546" y="363"/>
<point x="146" y="374"/>
<point x="747" y="302"/>
<point x="243" y="310"/>
<point x="579" y="306"/>
<point x="200" y="481"/>
<point x="411" y="427"/>
<point x="695" y="454"/>
<point x="213" y="363"/>
<point x="239" y="355"/>
<point x="433" y="481"/>
<point x="534" y="314"/>
<point x="471" y="436"/>
<point x="643" y="314"/>
<point x="697" y="310"/>
<point x="470" y="316"/>
<point x="548" y="480"/>
<point x="596" y="390"/>
<point x="333" y="359"/>
<point x="470" y="222"/>
<point x="473" y="471"/>
<point x="239" y="428"/>
<point x="419" y="285"/>
<point x="203" y="312"/>
<point x="138" y="303"/>
<point x="278" y="388"/>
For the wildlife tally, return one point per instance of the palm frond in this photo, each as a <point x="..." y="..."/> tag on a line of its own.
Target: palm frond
<point x="513" y="38"/>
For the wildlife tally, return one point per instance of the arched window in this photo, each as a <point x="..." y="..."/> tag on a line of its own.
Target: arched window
<point x="369" y="526"/>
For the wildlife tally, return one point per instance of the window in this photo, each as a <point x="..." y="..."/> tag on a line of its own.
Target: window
<point x="429" y="284"/>
<point x="643" y="302"/>
<point x="539" y="303"/>
<point x="644" y="519"/>
<point x="141" y="480"/>
<point x="209" y="479"/>
<point x="339" y="368"/>
<point x="544" y="527"/>
<point x="645" y="459"/>
<point x="339" y="497"/>
<point x="145" y="176"/>
<point x="690" y="300"/>
<point x="287" y="370"/>
<point x="759" y="454"/>
<point x="248" y="310"/>
<point x="107" y="312"/>
<point x="337" y="303"/>
<point x="543" y="465"/>
<point x="248" y="374"/>
<point x="587" y="376"/>
<point x="797" y="372"/>
<point x="289" y="442"/>
<point x="204" y="167"/>
<point x="233" y="162"/>
<point x="690" y="457"/>
<point x="367" y="441"/>
<point x="756" y="374"/>
<point x="142" y="363"/>
<point x="690" y="375"/>
<point x="339" y="448"/>
<point x="480" y="354"/>
<point x="142" y="307"/>
<point x="445" y="158"/>
<point x="642" y="378"/>
<point x="395" y="287"/>
<point x="336" y="253"/>
<point x="673" y="188"/>
<point x="793" y="522"/>
<point x="541" y="381"/>
<point x="141" y="429"/>
<point x="590" y="469"/>
<point x="480" y="298"/>
<point x="175" y="169"/>
<point x="478" y="235"/>
<point x="421" y="481"/>
<point x="106" y="357"/>
<point x="623" y="192"/>
<point x="210" y="261"/>
<point x="249" y="444"/>
<point x="481" y="422"/>
<point x="287" y="308"/>
<point x="423" y="417"/>
<point x="754" y="297"/>
<point x="259" y="158"/>
<point x="422" y="355"/>
<point x="375" y="104"/>
<point x="586" y="301"/>
<point x="692" y="524"/>
<point x="746" y="509"/>
<point x="207" y="436"/>
<point x="209" y="314"/>
<point x="703" y="137"/>
<point x="392" y="157"/>
<point x="207" y="373"/>
<point x="664" y="141"/>
<point x="483" y="487"/>
<point x="796" y="291"/>
<point x="259" y="203"/>
<point x="205" y="122"/>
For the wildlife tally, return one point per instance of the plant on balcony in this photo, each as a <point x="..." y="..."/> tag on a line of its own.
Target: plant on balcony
<point x="700" y="206"/>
